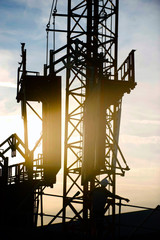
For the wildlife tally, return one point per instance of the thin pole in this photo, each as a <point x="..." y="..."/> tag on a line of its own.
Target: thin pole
<point x="115" y="121"/>
<point x="66" y="118"/>
<point x="41" y="195"/>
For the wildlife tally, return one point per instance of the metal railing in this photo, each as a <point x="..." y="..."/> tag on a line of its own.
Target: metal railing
<point x="17" y="173"/>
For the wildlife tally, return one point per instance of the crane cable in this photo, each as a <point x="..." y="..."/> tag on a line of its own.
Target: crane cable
<point x="52" y="13"/>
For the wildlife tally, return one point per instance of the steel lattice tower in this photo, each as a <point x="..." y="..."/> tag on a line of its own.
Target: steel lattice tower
<point x="94" y="90"/>
<point x="95" y="85"/>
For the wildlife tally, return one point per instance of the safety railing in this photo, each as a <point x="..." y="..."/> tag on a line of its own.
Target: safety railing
<point x="126" y="71"/>
<point x="17" y="173"/>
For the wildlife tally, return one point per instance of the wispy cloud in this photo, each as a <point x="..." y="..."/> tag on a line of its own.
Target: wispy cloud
<point x="138" y="140"/>
<point x="8" y="65"/>
<point x="139" y="29"/>
<point x="8" y="84"/>
<point x="6" y="80"/>
<point x="147" y="122"/>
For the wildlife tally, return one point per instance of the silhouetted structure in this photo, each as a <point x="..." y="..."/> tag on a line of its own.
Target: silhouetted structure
<point x="94" y="90"/>
<point x="23" y="182"/>
<point x="45" y="89"/>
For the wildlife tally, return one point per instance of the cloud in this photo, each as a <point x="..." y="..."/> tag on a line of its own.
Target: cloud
<point x="8" y="84"/>
<point x="147" y="122"/>
<point x="140" y="111"/>
<point x="21" y="23"/>
<point x="8" y="103"/>
<point x="6" y="80"/>
<point x="9" y="125"/>
<point x="33" y="3"/>
<point x="141" y="183"/>
<point x="139" y="29"/>
<point x="137" y="140"/>
<point x="8" y="65"/>
<point x="43" y="8"/>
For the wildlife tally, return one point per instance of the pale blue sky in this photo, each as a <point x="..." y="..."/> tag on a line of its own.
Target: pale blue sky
<point x="25" y="21"/>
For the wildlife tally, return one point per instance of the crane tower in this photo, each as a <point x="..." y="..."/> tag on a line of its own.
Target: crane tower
<point x="83" y="59"/>
<point x="94" y="90"/>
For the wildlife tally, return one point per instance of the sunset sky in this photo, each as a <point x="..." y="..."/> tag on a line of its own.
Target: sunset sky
<point x="139" y="29"/>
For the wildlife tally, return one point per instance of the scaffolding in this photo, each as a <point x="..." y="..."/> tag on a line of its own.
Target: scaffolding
<point x="95" y="85"/>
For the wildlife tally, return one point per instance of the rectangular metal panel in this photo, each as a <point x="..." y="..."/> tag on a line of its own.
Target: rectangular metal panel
<point x="51" y="107"/>
<point x="93" y="159"/>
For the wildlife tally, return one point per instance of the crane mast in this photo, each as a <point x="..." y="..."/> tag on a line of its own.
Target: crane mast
<point x="94" y="90"/>
<point x="83" y="60"/>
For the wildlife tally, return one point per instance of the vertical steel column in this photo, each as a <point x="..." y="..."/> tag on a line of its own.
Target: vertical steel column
<point x="89" y="85"/>
<point x="91" y="76"/>
<point x="24" y="115"/>
<point x="116" y="115"/>
<point x="115" y="78"/>
<point x="28" y="154"/>
<point x="89" y="50"/>
<point x="41" y="199"/>
<point x="66" y="116"/>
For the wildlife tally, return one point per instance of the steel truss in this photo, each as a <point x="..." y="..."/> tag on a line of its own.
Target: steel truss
<point x="15" y="177"/>
<point x="91" y="55"/>
<point x="89" y="60"/>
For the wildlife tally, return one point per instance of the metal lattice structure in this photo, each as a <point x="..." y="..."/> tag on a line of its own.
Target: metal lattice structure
<point x="91" y="74"/>
<point x="88" y="62"/>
